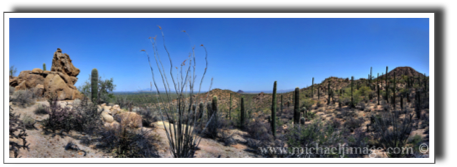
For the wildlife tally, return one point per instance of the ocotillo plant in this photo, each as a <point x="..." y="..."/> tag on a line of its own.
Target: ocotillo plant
<point x="273" y="111"/>
<point x="387" y="86"/>
<point x="242" y="113"/>
<point x="44" y="66"/>
<point x="297" y="106"/>
<point x="94" y="85"/>
<point x="182" y="140"/>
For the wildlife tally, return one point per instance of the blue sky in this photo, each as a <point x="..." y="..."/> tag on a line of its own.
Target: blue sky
<point x="246" y="54"/>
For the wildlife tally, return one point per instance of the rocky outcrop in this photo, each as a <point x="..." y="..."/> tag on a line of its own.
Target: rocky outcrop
<point x="129" y="119"/>
<point x="58" y="82"/>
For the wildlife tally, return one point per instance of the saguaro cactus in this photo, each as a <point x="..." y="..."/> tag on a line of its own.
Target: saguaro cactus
<point x="394" y="87"/>
<point x="387" y="85"/>
<point x="312" y="89"/>
<point x="329" y="92"/>
<point x="94" y="85"/>
<point x="273" y="111"/>
<point x="230" y="107"/>
<point x="44" y="66"/>
<point x="200" y="113"/>
<point x="297" y="106"/>
<point x="242" y="113"/>
<point x="214" y="120"/>
<point x="377" y="84"/>
<point x="352" y="90"/>
<point x="318" y="93"/>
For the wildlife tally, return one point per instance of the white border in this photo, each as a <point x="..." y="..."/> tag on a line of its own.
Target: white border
<point x="431" y="158"/>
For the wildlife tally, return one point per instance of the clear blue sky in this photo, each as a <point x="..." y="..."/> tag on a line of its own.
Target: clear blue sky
<point x="246" y="54"/>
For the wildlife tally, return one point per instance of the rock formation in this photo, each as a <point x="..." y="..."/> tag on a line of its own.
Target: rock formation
<point x="59" y="81"/>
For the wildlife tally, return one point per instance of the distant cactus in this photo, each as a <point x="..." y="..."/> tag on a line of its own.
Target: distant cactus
<point x="352" y="90"/>
<point x="208" y="110"/>
<point x="394" y="89"/>
<point x="94" y="85"/>
<point x="296" y="106"/>
<point x="230" y="107"/>
<point x="401" y="102"/>
<point x="214" y="106"/>
<point x="377" y="84"/>
<point x="242" y="113"/>
<point x="44" y="66"/>
<point x="312" y="89"/>
<point x="318" y="93"/>
<point x="273" y="111"/>
<point x="387" y="86"/>
<point x="200" y="113"/>
<point x="329" y="91"/>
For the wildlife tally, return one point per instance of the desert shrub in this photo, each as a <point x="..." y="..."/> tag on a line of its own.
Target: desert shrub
<point x="308" y="116"/>
<point x="227" y="138"/>
<point x="23" y="98"/>
<point x="356" y="141"/>
<point x="105" y="89"/>
<point x="84" y="117"/>
<point x="127" y="143"/>
<point x="123" y="102"/>
<point x="348" y="113"/>
<point x="415" y="142"/>
<point x="353" y="123"/>
<point x="148" y="116"/>
<point x="29" y="122"/>
<point x="335" y="123"/>
<point x="17" y="134"/>
<point x="11" y="90"/>
<point x="307" y="103"/>
<point x="362" y="105"/>
<point x="41" y="110"/>
<point x="313" y="135"/>
<point x="397" y="135"/>
<point x="259" y="130"/>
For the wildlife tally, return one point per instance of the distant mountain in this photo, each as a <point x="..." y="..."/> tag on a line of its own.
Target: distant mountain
<point x="240" y="91"/>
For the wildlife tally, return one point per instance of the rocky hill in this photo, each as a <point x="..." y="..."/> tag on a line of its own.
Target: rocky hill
<point x="400" y="71"/>
<point x="59" y="81"/>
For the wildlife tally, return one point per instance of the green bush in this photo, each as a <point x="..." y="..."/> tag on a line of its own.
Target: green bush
<point x="23" y="98"/>
<point x="105" y="89"/>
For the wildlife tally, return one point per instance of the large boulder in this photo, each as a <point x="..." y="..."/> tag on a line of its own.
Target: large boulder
<point x="129" y="119"/>
<point x="59" y="81"/>
<point x="61" y="62"/>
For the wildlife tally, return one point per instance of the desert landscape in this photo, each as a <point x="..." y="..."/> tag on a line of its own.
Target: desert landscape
<point x="184" y="114"/>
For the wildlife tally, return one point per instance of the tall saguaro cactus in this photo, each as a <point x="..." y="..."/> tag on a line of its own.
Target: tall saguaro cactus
<point x="371" y="77"/>
<point x="242" y="113"/>
<point x="44" y="66"/>
<point x="387" y="86"/>
<point x="297" y="106"/>
<point x="312" y="89"/>
<point x="329" y="92"/>
<point x="377" y="84"/>
<point x="214" y="120"/>
<point x="352" y="90"/>
<point x="230" y="107"/>
<point x="94" y="85"/>
<point x="273" y="111"/>
<point x="394" y="87"/>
